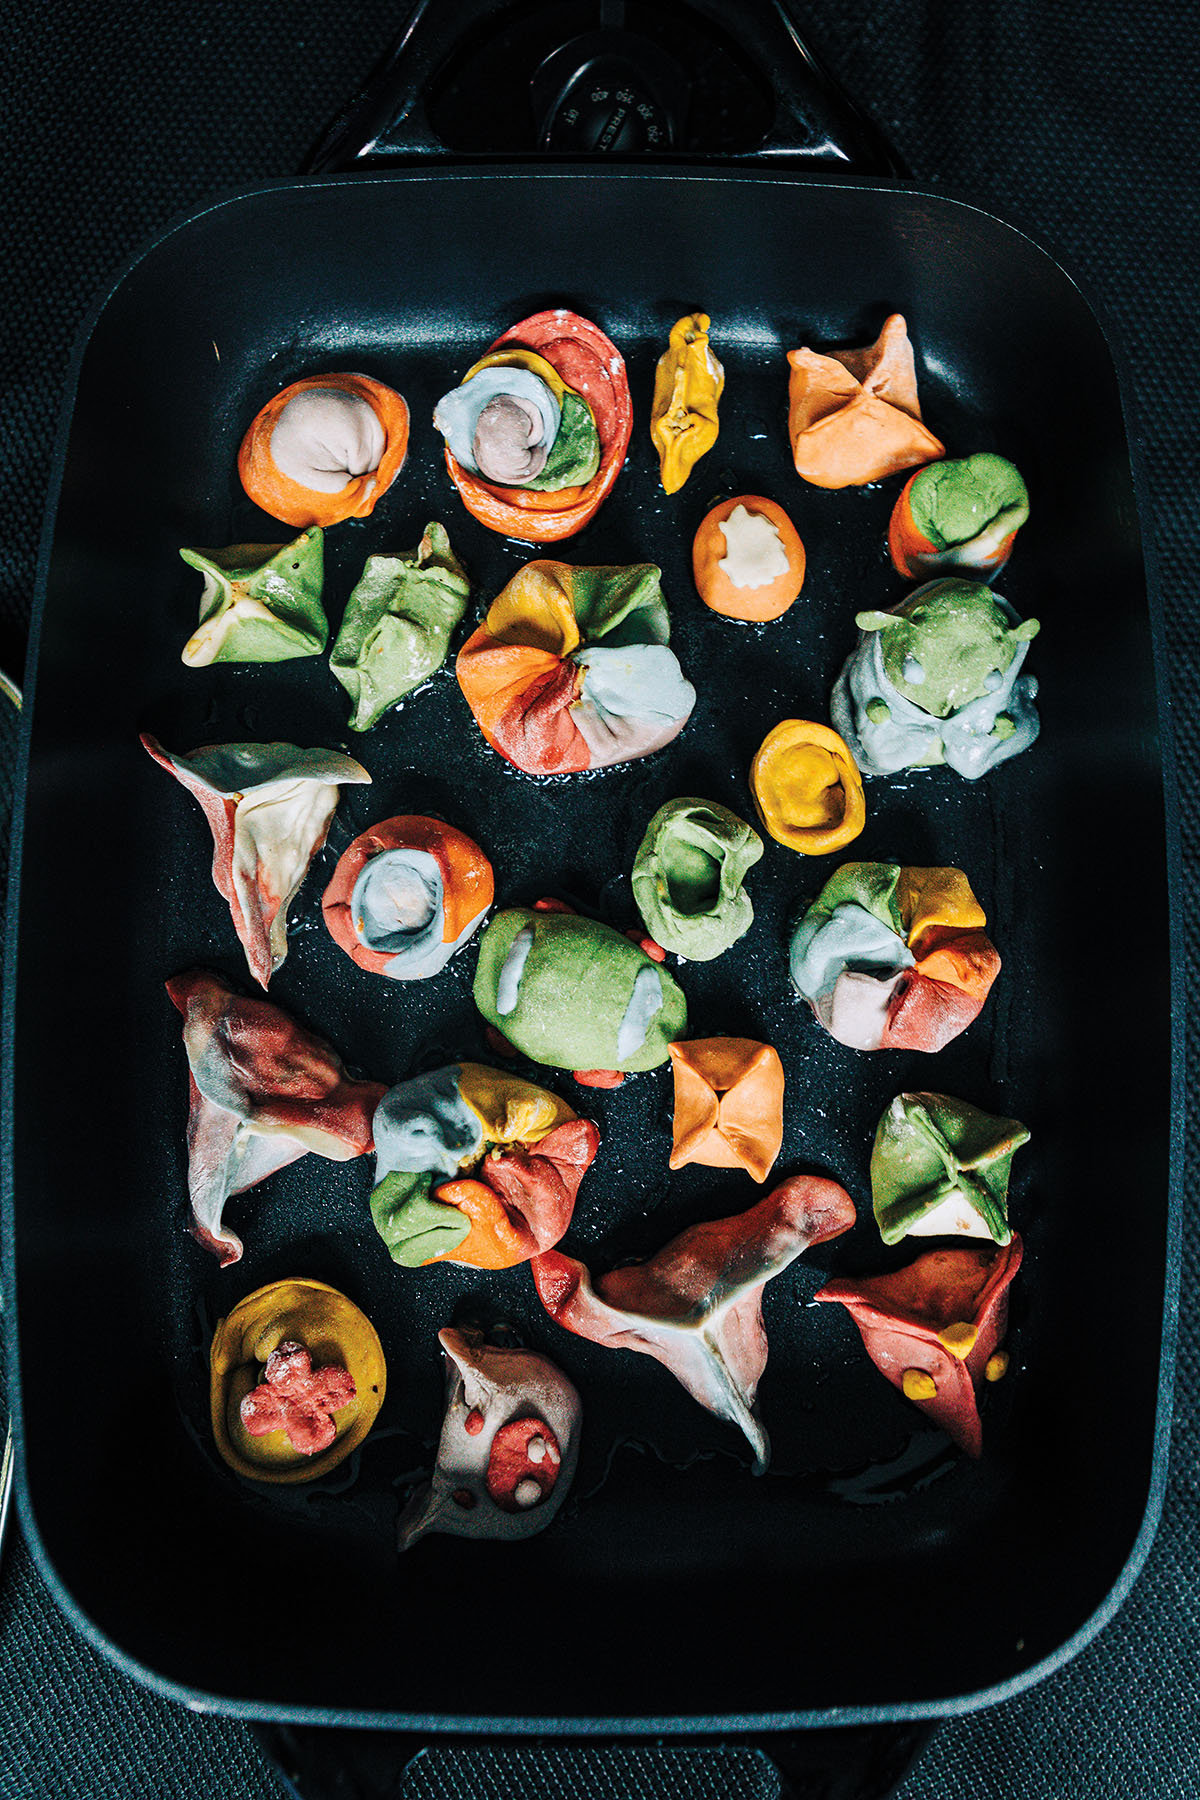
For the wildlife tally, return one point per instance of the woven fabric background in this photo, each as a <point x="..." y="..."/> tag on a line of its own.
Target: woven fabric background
<point x="1082" y="124"/>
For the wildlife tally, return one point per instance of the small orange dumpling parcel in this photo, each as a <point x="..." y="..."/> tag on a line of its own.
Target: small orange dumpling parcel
<point x="854" y="416"/>
<point x="728" y="1104"/>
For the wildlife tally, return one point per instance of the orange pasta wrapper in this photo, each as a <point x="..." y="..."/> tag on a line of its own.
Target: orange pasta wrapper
<point x="728" y="1104"/>
<point x="854" y="415"/>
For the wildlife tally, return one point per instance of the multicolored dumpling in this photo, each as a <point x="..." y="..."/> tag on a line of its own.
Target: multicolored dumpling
<point x="269" y="808"/>
<point x="508" y="1447"/>
<point x="475" y="1166"/>
<point x="940" y="1168"/>
<point x="958" y="515"/>
<point x="261" y="603"/>
<point x="574" y="993"/>
<point x="536" y="432"/>
<point x="296" y="1380"/>
<point x="407" y="895"/>
<point x="570" y="669"/>
<point x="938" y="680"/>
<point x="893" y="958"/>
<point x="935" y="1329"/>
<point x="325" y="449"/>
<point x="264" y="1091"/>
<point x="696" y="1306"/>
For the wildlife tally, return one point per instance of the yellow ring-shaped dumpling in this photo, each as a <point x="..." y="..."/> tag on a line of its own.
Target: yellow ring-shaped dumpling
<point x="807" y="788"/>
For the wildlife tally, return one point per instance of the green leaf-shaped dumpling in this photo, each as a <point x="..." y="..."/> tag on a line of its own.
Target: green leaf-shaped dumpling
<point x="397" y="626"/>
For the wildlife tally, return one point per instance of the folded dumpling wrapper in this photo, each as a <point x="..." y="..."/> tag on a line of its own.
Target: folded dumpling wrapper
<point x="570" y="669"/>
<point x="958" y="515"/>
<point x="325" y="449"/>
<point x="476" y="1166"/>
<point x="854" y="415"/>
<point x="344" y="1381"/>
<point x="696" y="1306"/>
<point x="508" y="1447"/>
<point x="893" y="958"/>
<point x="689" y="877"/>
<point x="268" y="807"/>
<point x="583" y="372"/>
<point x="576" y="994"/>
<point x="938" y="680"/>
<point x="261" y="603"/>
<point x="396" y="628"/>
<point x="940" y="1168"/>
<point x="407" y="895"/>
<point x="728" y="1104"/>
<point x="688" y="383"/>
<point x="807" y="788"/>
<point x="934" y="1329"/>
<point x="263" y="1092"/>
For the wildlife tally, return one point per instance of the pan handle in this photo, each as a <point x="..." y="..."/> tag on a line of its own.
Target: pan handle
<point x="816" y="125"/>
<point x="853" y="1762"/>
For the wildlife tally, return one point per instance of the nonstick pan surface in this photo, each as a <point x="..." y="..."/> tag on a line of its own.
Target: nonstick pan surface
<point x="873" y="1572"/>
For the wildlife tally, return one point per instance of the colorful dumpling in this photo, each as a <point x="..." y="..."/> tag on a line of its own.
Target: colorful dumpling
<point x="747" y="559"/>
<point x="574" y="993"/>
<point x="960" y="515"/>
<point x="688" y="382"/>
<point x="475" y="1166"/>
<point x="807" y="788"/>
<point x="935" y="1329"/>
<point x="296" y="1380"/>
<point x="325" y="449"/>
<point x="407" y="895"/>
<point x="263" y="1091"/>
<point x="728" y="1105"/>
<point x="508" y="1448"/>
<point x="940" y="1168"/>
<point x="570" y="669"/>
<point x="696" y="1306"/>
<point x="537" y="430"/>
<point x="893" y="958"/>
<point x="261" y="603"/>
<point x="854" y="415"/>
<point x="396" y="628"/>
<point x="268" y="807"/>
<point x="689" y="876"/>
<point x="938" y="680"/>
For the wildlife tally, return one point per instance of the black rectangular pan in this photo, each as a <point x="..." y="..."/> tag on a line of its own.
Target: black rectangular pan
<point x="872" y="1574"/>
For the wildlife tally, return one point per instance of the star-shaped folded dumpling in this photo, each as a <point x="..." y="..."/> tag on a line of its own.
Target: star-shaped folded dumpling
<point x="934" y="1329"/>
<point x="728" y="1104"/>
<point x="854" y="415"/>
<point x="696" y="1306"/>
<point x="260" y="603"/>
<point x="264" y="1091"/>
<point x="940" y="1168"/>
<point x="268" y="807"/>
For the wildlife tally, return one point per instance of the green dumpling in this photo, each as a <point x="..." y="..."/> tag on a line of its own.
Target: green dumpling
<point x="574" y="993"/>
<point x="688" y="877"/>
<point x="261" y="602"/>
<point x="397" y="625"/>
<point x="940" y="1168"/>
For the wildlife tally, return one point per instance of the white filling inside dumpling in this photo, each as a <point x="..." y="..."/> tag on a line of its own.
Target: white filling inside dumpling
<point x="325" y="438"/>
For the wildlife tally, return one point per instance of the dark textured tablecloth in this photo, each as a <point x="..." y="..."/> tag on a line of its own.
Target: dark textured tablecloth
<point x="1081" y="123"/>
